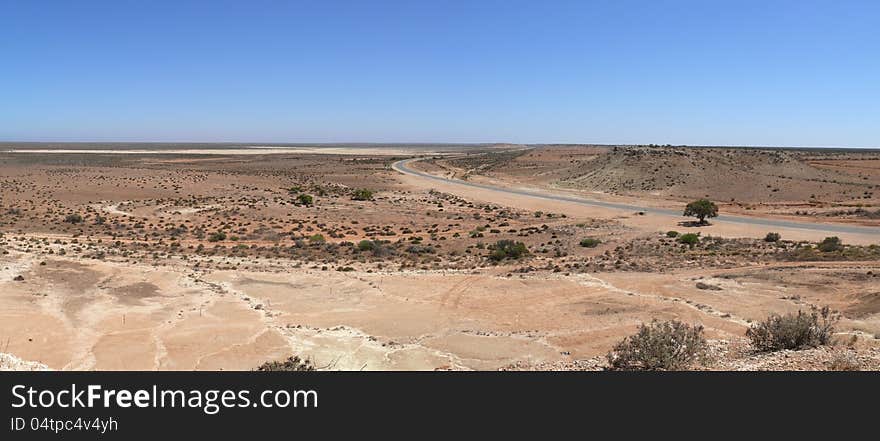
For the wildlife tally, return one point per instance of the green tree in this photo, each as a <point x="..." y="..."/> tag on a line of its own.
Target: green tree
<point x="701" y="209"/>
<point x="305" y="199"/>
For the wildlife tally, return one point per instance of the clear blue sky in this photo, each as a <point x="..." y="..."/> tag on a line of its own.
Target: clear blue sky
<point x="682" y="72"/>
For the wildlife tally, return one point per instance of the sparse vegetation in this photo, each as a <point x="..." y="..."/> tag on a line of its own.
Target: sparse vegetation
<point x="672" y="234"/>
<point x="667" y="346"/>
<point x="701" y="209"/>
<point x="305" y="199"/>
<point x="793" y="331"/>
<point x="73" y="219"/>
<point x="772" y="237"/>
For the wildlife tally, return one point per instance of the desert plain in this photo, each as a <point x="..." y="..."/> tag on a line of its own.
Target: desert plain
<point x="205" y="257"/>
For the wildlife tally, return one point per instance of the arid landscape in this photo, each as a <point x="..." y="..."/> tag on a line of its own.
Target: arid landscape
<point x="515" y="257"/>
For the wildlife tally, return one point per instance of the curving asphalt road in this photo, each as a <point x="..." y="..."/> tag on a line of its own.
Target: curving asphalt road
<point x="402" y="167"/>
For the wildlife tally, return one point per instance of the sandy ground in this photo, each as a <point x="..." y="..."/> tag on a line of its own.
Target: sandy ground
<point x="254" y="150"/>
<point x="102" y="315"/>
<point x="133" y="293"/>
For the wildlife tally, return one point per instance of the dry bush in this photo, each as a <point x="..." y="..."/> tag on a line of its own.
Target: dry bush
<point x="667" y="346"/>
<point x="793" y="331"/>
<point x="844" y="362"/>
<point x="292" y="364"/>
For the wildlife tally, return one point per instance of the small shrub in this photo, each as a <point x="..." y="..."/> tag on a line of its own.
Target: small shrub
<point x="667" y="346"/>
<point x="830" y="244"/>
<point x="689" y="239"/>
<point x="420" y="249"/>
<point x="305" y="199"/>
<point x="73" y="219"/>
<point x="508" y="249"/>
<point x="292" y="364"/>
<point x="362" y="194"/>
<point x="672" y="234"/>
<point x="317" y="238"/>
<point x="844" y="362"/>
<point x="793" y="331"/>
<point x="772" y="237"/>
<point x="217" y="236"/>
<point x="366" y="245"/>
<point x="590" y="242"/>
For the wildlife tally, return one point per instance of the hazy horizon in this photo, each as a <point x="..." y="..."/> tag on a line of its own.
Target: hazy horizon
<point x="258" y="144"/>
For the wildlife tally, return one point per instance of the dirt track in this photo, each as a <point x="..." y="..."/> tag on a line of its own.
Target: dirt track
<point x="662" y="218"/>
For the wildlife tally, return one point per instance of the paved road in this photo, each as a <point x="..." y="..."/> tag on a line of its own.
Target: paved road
<point x="403" y="167"/>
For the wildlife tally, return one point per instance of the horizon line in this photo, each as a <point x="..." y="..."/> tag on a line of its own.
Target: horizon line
<point x="427" y="143"/>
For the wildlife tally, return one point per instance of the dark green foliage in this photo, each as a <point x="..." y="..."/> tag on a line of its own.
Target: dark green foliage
<point x="305" y="199"/>
<point x="590" y="242"/>
<point x="367" y="245"/>
<point x="830" y="244"/>
<point x="672" y="234"/>
<point x="793" y="331"/>
<point x="666" y="346"/>
<point x="689" y="239"/>
<point x="772" y="237"/>
<point x="362" y="194"/>
<point x="73" y="219"/>
<point x="217" y="236"/>
<point x="507" y="249"/>
<point x="701" y="209"/>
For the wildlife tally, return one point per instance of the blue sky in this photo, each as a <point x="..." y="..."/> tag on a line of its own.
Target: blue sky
<point x="799" y="73"/>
